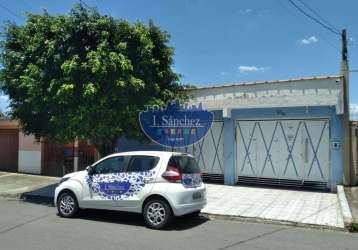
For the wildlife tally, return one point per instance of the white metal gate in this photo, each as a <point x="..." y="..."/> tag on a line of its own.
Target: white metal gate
<point x="284" y="149"/>
<point x="209" y="151"/>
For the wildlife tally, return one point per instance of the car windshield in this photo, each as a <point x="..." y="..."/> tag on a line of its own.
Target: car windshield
<point x="186" y="164"/>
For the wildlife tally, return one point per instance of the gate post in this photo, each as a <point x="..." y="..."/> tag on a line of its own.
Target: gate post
<point x="230" y="177"/>
<point x="75" y="155"/>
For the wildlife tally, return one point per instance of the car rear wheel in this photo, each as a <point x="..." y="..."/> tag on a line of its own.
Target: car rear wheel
<point x="67" y="205"/>
<point x="157" y="213"/>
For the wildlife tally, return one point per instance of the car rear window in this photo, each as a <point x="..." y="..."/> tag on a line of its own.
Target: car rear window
<point x="186" y="164"/>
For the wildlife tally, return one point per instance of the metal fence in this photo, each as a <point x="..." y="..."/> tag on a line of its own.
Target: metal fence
<point x="58" y="160"/>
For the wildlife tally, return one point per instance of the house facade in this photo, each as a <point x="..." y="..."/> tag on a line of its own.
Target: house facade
<point x="23" y="153"/>
<point x="284" y="133"/>
<point x="19" y="153"/>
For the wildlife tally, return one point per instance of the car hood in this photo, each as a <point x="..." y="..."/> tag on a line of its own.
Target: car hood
<point x="74" y="174"/>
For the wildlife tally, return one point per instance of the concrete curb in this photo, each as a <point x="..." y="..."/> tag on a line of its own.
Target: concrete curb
<point x="31" y="188"/>
<point x="346" y="211"/>
<point x="4" y="174"/>
<point x="274" y="222"/>
<point x="29" y="197"/>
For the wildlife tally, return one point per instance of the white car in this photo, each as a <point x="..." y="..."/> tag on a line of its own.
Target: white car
<point x="156" y="183"/>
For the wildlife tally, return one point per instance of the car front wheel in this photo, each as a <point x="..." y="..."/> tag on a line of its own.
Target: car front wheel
<point x="67" y="205"/>
<point x="157" y="213"/>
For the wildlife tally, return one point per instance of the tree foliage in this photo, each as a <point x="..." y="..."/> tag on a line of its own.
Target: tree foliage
<point x="85" y="75"/>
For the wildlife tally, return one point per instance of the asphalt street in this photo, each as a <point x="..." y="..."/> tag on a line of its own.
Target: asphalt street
<point x="26" y="225"/>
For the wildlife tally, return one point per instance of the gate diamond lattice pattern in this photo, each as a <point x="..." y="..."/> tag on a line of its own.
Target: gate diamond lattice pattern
<point x="209" y="151"/>
<point x="285" y="149"/>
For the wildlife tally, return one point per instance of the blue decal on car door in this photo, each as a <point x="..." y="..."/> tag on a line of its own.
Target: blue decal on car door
<point x="118" y="186"/>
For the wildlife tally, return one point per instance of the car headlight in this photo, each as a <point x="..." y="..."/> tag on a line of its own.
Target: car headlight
<point x="64" y="179"/>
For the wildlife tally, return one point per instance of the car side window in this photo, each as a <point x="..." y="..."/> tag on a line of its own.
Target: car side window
<point x="115" y="164"/>
<point x="141" y="163"/>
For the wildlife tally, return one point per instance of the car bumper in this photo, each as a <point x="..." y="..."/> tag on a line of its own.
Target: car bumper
<point x="183" y="202"/>
<point x="57" y="190"/>
<point x="179" y="210"/>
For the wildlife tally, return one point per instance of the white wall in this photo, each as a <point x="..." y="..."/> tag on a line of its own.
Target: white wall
<point x="30" y="161"/>
<point x="29" y="154"/>
<point x="319" y="91"/>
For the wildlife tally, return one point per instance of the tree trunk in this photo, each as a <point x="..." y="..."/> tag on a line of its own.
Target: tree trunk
<point x="105" y="148"/>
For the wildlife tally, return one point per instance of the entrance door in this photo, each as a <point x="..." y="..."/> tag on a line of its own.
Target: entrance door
<point x="283" y="149"/>
<point x="9" y="149"/>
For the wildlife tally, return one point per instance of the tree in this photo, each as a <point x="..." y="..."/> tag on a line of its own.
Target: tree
<point x="85" y="75"/>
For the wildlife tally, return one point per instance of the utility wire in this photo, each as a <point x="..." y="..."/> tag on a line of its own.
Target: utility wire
<point x="313" y="18"/>
<point x="12" y="12"/>
<point x="291" y="13"/>
<point x="319" y="16"/>
<point x="330" y="43"/>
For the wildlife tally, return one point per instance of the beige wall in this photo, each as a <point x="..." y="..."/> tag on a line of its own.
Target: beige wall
<point x="28" y="142"/>
<point x="6" y="124"/>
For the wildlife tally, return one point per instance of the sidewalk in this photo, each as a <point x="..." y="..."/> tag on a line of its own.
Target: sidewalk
<point x="352" y="198"/>
<point x="15" y="185"/>
<point x="278" y="205"/>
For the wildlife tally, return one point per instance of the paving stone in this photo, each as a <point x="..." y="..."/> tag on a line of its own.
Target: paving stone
<point x="315" y="208"/>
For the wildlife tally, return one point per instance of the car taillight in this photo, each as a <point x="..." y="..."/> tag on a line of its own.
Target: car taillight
<point x="172" y="174"/>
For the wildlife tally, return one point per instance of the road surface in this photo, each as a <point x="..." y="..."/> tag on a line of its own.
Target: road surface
<point x="26" y="225"/>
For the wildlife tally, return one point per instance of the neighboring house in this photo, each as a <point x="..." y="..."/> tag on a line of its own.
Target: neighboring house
<point x="284" y="133"/>
<point x="9" y="145"/>
<point x="22" y="153"/>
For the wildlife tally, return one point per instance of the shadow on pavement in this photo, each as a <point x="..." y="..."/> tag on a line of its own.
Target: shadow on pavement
<point x="306" y="188"/>
<point x="178" y="223"/>
<point x="43" y="195"/>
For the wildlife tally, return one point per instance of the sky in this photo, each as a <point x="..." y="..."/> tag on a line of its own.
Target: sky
<point x="233" y="41"/>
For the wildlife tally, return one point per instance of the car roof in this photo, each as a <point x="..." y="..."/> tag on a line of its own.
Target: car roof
<point x="152" y="153"/>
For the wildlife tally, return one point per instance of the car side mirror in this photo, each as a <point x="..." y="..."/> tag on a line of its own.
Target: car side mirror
<point x="90" y="170"/>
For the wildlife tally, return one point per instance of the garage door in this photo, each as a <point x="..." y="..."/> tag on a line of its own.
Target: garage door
<point x="209" y="152"/>
<point x="292" y="150"/>
<point x="9" y="149"/>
